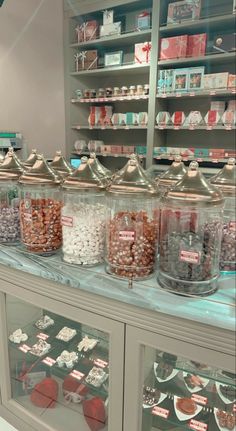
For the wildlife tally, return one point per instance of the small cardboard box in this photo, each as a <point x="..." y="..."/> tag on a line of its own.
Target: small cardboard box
<point x="195" y="78"/>
<point x="143" y="20"/>
<point x="180" y="80"/>
<point x="110" y="29"/>
<point x="142" y="52"/>
<point x="197" y="45"/>
<point x="108" y="17"/>
<point x="215" y="81"/>
<point x="86" y="60"/>
<point x="113" y="58"/>
<point x="173" y="47"/>
<point x="185" y="10"/>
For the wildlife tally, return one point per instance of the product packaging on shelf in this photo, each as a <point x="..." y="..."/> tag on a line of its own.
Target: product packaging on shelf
<point x="106" y="149"/>
<point x="122" y="119"/>
<point x="173" y="47"/>
<point x="183" y="10"/>
<point x="196" y="45"/>
<point x="110" y="29"/>
<point x="216" y="153"/>
<point x="100" y="115"/>
<point x="141" y="150"/>
<point x="95" y="145"/>
<point x="80" y="145"/>
<point x="86" y="60"/>
<point x="231" y="105"/>
<point x="218" y="106"/>
<point x="195" y="78"/>
<point x="142" y="52"/>
<point x="142" y="118"/>
<point x="116" y="149"/>
<point x="194" y="119"/>
<point x="132" y="118"/>
<point x="201" y="153"/>
<point x="225" y="42"/>
<point x="165" y="81"/>
<point x="163" y="118"/>
<point x="212" y="118"/>
<point x="128" y="149"/>
<point x="232" y="81"/>
<point x="113" y="58"/>
<point x="159" y="151"/>
<point x="87" y="31"/>
<point x="229" y="118"/>
<point x="178" y="118"/>
<point x="214" y="81"/>
<point x="143" y="20"/>
<point x="108" y="17"/>
<point x="180" y="80"/>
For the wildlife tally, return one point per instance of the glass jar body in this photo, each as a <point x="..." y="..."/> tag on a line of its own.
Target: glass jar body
<point x="9" y="213"/>
<point x="228" y="245"/>
<point x="83" y="227"/>
<point x="132" y="236"/>
<point x="190" y="240"/>
<point x="40" y="218"/>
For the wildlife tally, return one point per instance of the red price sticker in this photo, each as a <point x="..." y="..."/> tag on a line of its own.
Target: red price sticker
<point x="67" y="221"/>
<point x="198" y="426"/>
<point x="158" y="411"/>
<point x="24" y="348"/>
<point x="199" y="399"/>
<point x="49" y="361"/>
<point x="100" y="363"/>
<point x="77" y="375"/>
<point x="190" y="257"/>
<point x="42" y="336"/>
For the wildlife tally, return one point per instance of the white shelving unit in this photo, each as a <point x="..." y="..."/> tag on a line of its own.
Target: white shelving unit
<point x="216" y="17"/>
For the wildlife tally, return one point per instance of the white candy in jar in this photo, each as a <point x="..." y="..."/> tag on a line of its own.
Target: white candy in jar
<point x="84" y="235"/>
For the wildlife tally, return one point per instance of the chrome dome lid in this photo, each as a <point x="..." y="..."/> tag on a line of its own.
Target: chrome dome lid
<point x="93" y="160"/>
<point x="31" y="159"/>
<point x="11" y="168"/>
<point x="40" y="173"/>
<point x="85" y="178"/>
<point x="225" y="180"/>
<point x="61" y="165"/>
<point x="175" y="173"/>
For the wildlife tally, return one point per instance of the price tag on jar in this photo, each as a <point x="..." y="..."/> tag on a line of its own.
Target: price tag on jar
<point x="190" y="256"/>
<point x="67" y="221"/>
<point x="24" y="348"/>
<point x="49" y="361"/>
<point x="158" y="411"/>
<point x="199" y="399"/>
<point x="77" y="375"/>
<point x="100" y="363"/>
<point x="232" y="225"/>
<point x="42" y="336"/>
<point x="198" y="426"/>
<point x="127" y="235"/>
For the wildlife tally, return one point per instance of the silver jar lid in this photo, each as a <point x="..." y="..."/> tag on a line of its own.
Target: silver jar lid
<point x="175" y="173"/>
<point x="31" y="159"/>
<point x="193" y="190"/>
<point x="40" y="174"/>
<point x="98" y="166"/>
<point x="61" y="165"/>
<point x="225" y="180"/>
<point x="85" y="178"/>
<point x="11" y="168"/>
<point x="133" y="180"/>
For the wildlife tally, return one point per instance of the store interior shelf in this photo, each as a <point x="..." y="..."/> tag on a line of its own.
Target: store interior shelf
<point x="205" y="59"/>
<point x="213" y="23"/>
<point x="198" y="93"/>
<point x="109" y="127"/>
<point x="87" y="153"/>
<point x="114" y="41"/>
<point x="111" y="99"/>
<point x="204" y="127"/>
<point x="126" y="69"/>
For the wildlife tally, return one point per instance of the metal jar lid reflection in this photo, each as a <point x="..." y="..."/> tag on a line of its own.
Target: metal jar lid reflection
<point x="225" y="180"/>
<point x="40" y="174"/>
<point x="175" y="173"/>
<point x="97" y="165"/>
<point x="132" y="179"/>
<point x="11" y="168"/>
<point x="85" y="178"/>
<point x="61" y="165"/>
<point x="193" y="190"/>
<point x="31" y="159"/>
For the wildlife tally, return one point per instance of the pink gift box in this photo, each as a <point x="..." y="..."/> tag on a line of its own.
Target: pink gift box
<point x="142" y="52"/>
<point x="196" y="45"/>
<point x="173" y="47"/>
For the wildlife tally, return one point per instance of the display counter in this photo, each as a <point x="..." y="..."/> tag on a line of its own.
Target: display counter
<point x="113" y="355"/>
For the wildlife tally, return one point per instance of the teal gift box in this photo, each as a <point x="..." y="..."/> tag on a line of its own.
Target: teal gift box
<point x="141" y="150"/>
<point x="201" y="153"/>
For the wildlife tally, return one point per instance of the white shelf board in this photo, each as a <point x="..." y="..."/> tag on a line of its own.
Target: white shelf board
<point x="78" y="127"/>
<point x="204" y="127"/>
<point x="115" y="40"/>
<point x="87" y="153"/>
<point x="213" y="58"/>
<point x="126" y="69"/>
<point x="211" y="23"/>
<point x="110" y="99"/>
<point x="201" y="93"/>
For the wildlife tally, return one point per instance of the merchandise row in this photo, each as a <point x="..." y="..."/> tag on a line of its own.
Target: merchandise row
<point x="193" y="79"/>
<point x="109" y="92"/>
<point x="104" y="116"/>
<point x="82" y="147"/>
<point x="95" y="213"/>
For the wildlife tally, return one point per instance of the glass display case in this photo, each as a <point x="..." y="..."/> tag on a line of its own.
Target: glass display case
<point x="59" y="373"/>
<point x="179" y="385"/>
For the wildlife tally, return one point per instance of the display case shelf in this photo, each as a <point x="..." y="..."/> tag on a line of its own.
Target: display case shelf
<point x="115" y="41"/>
<point x="213" y="58"/>
<point x="111" y="99"/>
<point x="204" y="127"/>
<point x="109" y="127"/>
<point x="215" y="23"/>
<point x="87" y="153"/>
<point x="200" y="93"/>
<point x="126" y="69"/>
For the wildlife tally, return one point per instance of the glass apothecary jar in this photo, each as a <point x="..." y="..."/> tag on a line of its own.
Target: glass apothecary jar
<point x="99" y="167"/>
<point x="61" y="166"/>
<point x="225" y="181"/>
<point x="31" y="159"/>
<point x="190" y="235"/>
<point x="132" y="223"/>
<point x="40" y="208"/>
<point x="84" y="216"/>
<point x="175" y="173"/>
<point x="10" y="171"/>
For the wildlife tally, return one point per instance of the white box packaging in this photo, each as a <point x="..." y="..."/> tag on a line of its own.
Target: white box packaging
<point x="108" y="16"/>
<point x="110" y="29"/>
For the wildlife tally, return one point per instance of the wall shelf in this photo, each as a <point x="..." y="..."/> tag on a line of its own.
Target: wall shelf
<point x="212" y="23"/>
<point x="116" y="40"/>
<point x="109" y="127"/>
<point x="195" y="129"/>
<point x="110" y="99"/>
<point x="126" y="69"/>
<point x="226" y="57"/>
<point x="201" y="93"/>
<point x="87" y="153"/>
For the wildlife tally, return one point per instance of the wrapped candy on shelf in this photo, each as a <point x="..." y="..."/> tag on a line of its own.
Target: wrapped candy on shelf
<point x="194" y="119"/>
<point x="142" y="118"/>
<point x="142" y="52"/>
<point x="18" y="336"/>
<point x="212" y="118"/>
<point x="163" y="118"/>
<point x="178" y="118"/>
<point x="229" y="118"/>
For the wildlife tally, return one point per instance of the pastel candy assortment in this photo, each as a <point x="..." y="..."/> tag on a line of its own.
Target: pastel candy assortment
<point x="9" y="225"/>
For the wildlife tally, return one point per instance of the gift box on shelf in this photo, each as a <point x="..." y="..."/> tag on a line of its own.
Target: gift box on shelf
<point x="122" y="119"/>
<point x="163" y="118"/>
<point x="159" y="151"/>
<point x="143" y="20"/>
<point x="128" y="149"/>
<point x="86" y="60"/>
<point x="116" y="149"/>
<point x="187" y="152"/>
<point x="212" y="118"/>
<point x="184" y="10"/>
<point x="142" y="118"/>
<point x="216" y="153"/>
<point x="132" y="118"/>
<point x="110" y="29"/>
<point x="108" y="17"/>
<point x="173" y="47"/>
<point x="165" y="81"/>
<point x="180" y="80"/>
<point x="196" y="45"/>
<point x="100" y="115"/>
<point x="232" y="81"/>
<point x="178" y="118"/>
<point x="195" y="78"/>
<point x="201" y="153"/>
<point x="95" y="145"/>
<point x="214" y="81"/>
<point x="115" y="119"/>
<point x="229" y="118"/>
<point x="142" y="52"/>
<point x="87" y="31"/>
<point x="231" y="105"/>
<point x="218" y="106"/>
<point x="141" y="150"/>
<point x="113" y="58"/>
<point x="194" y="119"/>
<point x="225" y="42"/>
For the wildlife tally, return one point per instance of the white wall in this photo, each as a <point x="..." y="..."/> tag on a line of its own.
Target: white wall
<point x="32" y="72"/>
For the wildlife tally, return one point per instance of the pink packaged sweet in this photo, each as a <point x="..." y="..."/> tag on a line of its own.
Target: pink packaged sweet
<point x="173" y="47"/>
<point x="196" y="45"/>
<point x="178" y="118"/>
<point x="142" y="52"/>
<point x="212" y="118"/>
